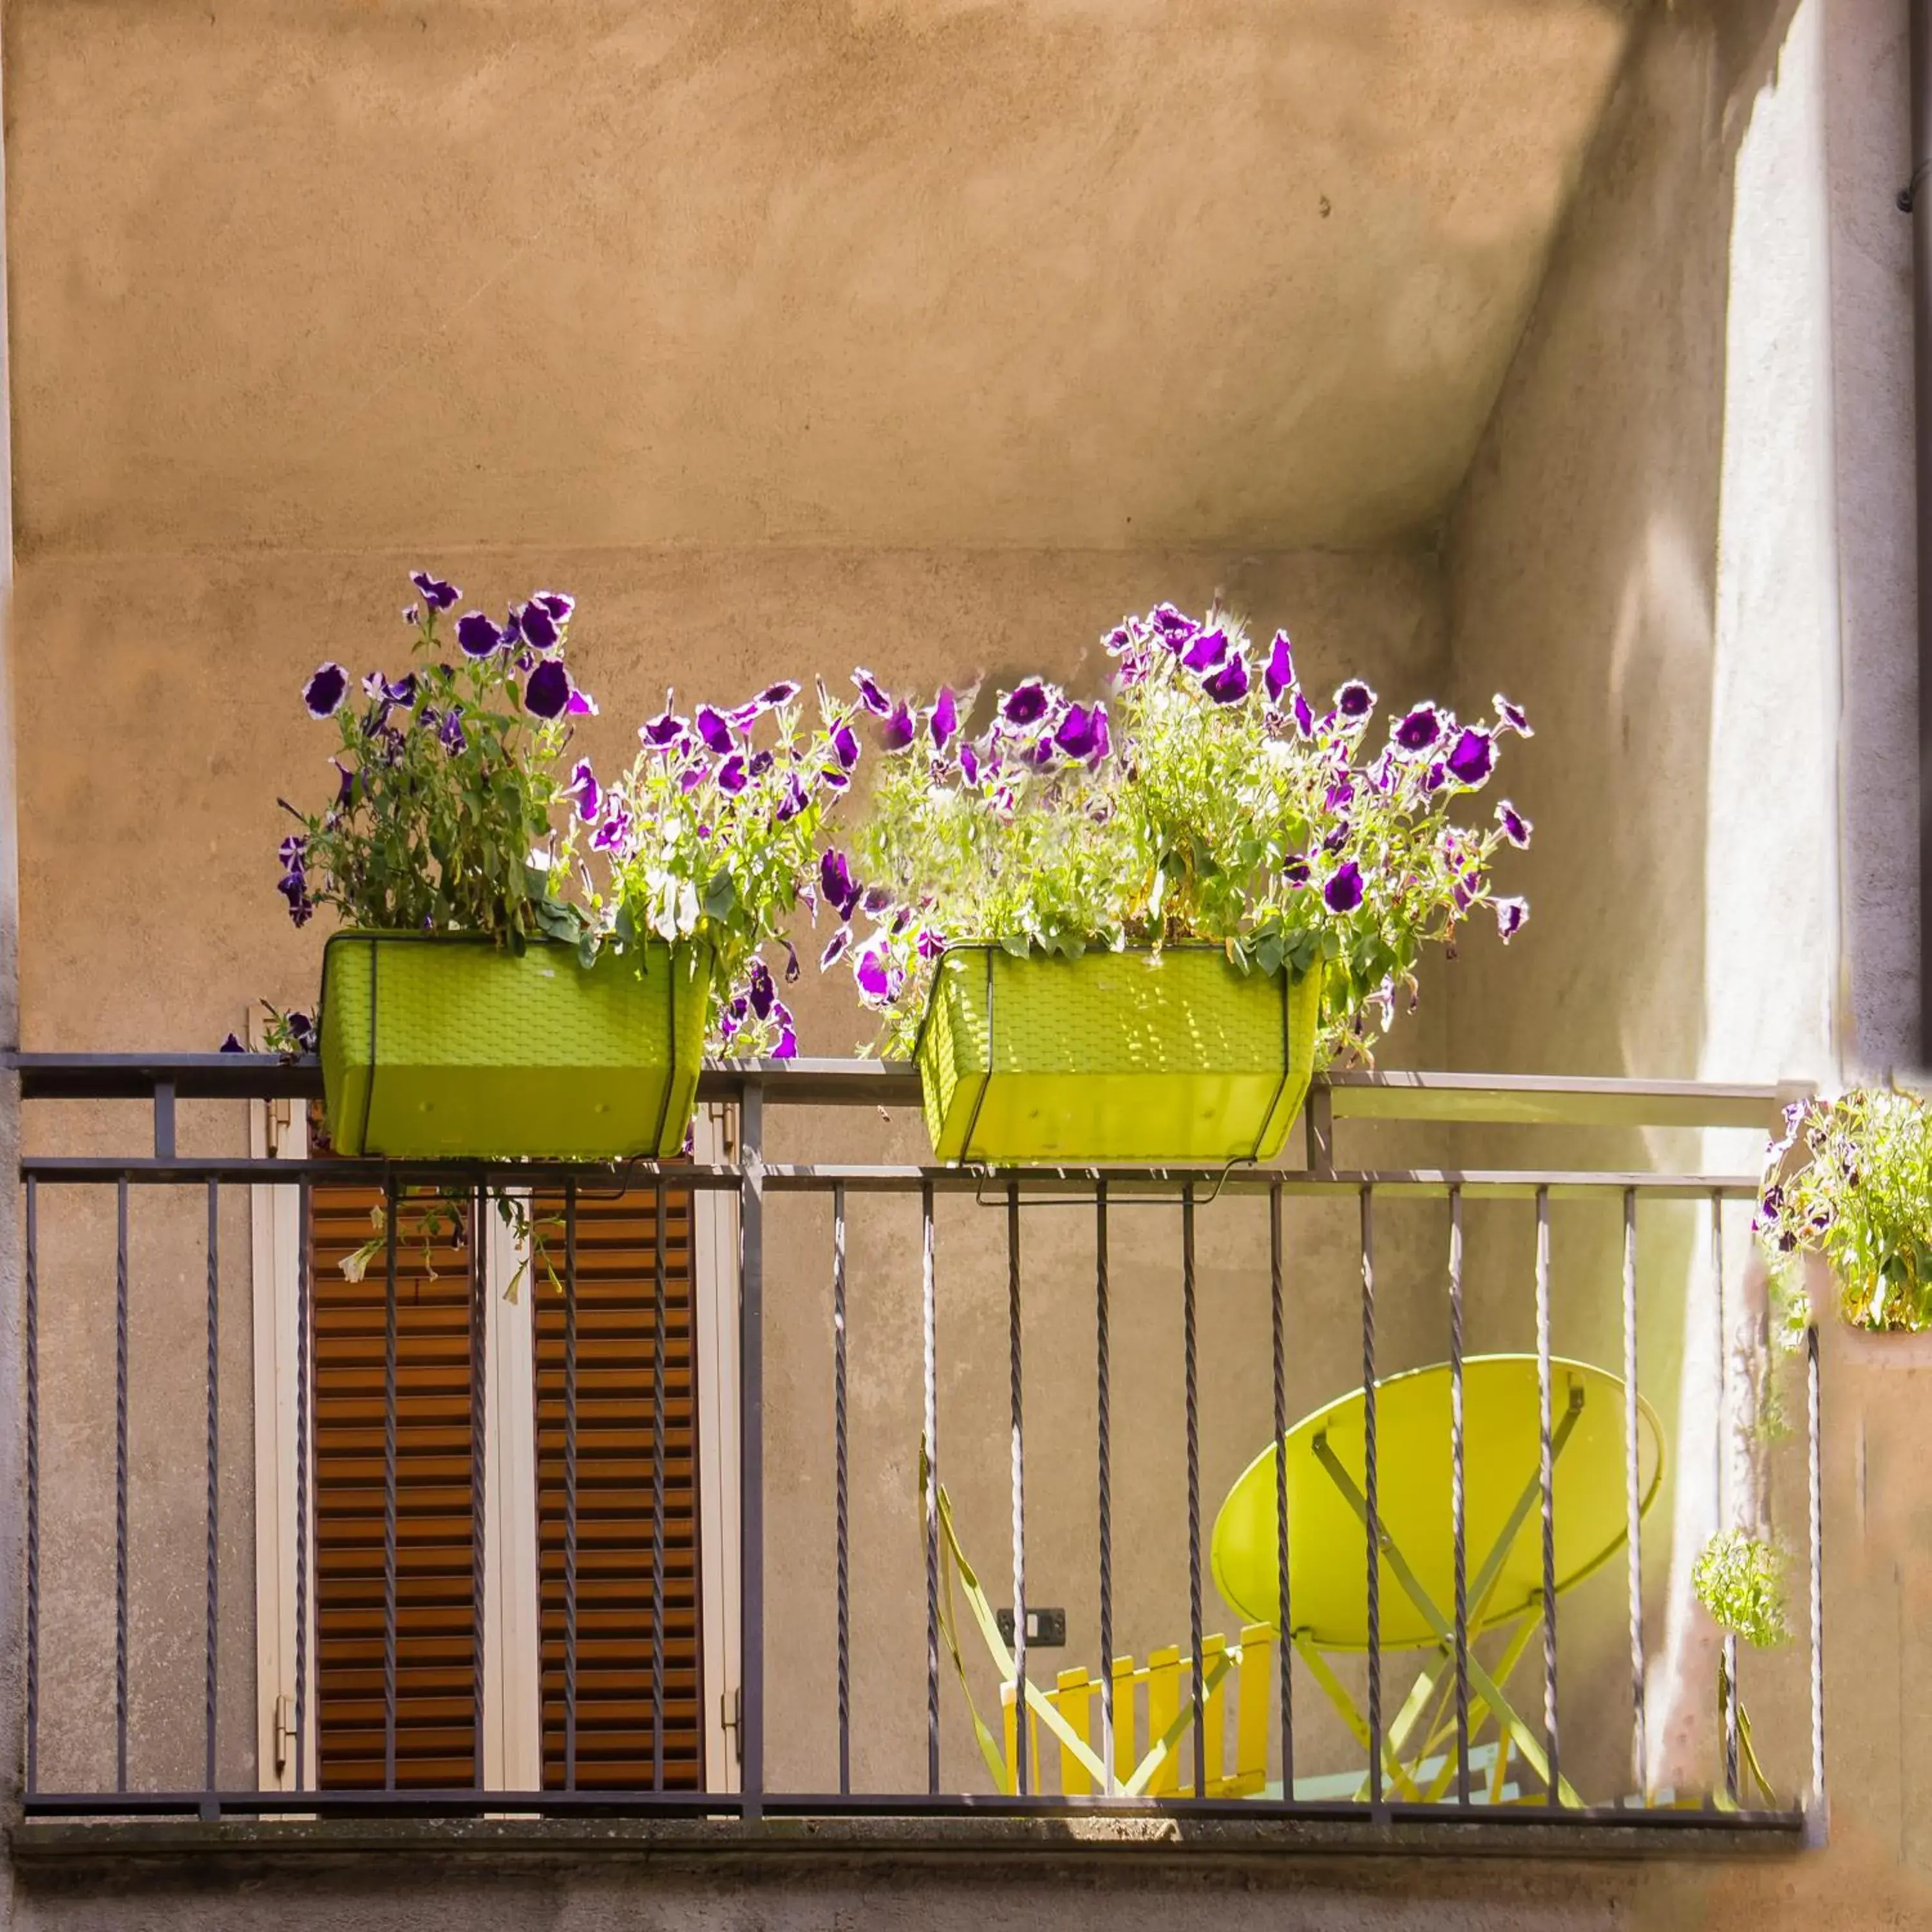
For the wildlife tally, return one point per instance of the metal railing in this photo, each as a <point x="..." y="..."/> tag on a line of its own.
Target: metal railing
<point x="1390" y="1788"/>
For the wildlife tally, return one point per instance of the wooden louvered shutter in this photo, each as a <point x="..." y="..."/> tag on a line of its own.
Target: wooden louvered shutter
<point x="616" y="1332"/>
<point x="436" y="1622"/>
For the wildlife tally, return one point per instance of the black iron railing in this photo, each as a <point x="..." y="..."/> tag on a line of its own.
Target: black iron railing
<point x="1390" y="1786"/>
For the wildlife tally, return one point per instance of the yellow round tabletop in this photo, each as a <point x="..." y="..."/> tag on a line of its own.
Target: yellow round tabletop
<point x="1327" y="1553"/>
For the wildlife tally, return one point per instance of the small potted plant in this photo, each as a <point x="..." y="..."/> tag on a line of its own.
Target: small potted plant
<point x="1128" y="929"/>
<point x="1848" y="1183"/>
<point x="530" y="961"/>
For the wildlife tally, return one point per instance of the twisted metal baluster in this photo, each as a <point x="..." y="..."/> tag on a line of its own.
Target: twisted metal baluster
<point x="1371" y="1494"/>
<point x="1104" y="1398"/>
<point x="1195" y="1672"/>
<point x="1459" y="1495"/>
<point x="929" y="1307"/>
<point x="841" y="1472"/>
<point x="1283" y="1626"/>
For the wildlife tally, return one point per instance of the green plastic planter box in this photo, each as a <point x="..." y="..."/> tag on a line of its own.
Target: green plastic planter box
<point x="1175" y="1058"/>
<point x="435" y="1046"/>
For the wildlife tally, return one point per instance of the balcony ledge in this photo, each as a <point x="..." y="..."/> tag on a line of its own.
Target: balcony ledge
<point x="77" y="1850"/>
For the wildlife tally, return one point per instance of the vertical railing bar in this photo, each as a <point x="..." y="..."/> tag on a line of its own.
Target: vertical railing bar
<point x="841" y="1475"/>
<point x="121" y="1486"/>
<point x="752" y="1452"/>
<point x="1728" y="1646"/>
<point x="1190" y="1370"/>
<point x="1103" y="1398"/>
<point x="1815" y="1474"/>
<point x="33" y="1349"/>
<point x="1372" y="1498"/>
<point x="929" y="1344"/>
<point x="1018" y="1479"/>
<point x="389" y="1490"/>
<point x="212" y="1577"/>
<point x="570" y="1483"/>
<point x="658" y="1359"/>
<point x="303" y="1358"/>
<point x="1546" y="1470"/>
<point x="1459" y="1495"/>
<point x="1284" y="1627"/>
<point x="479" y="1468"/>
<point x="1634" y="1501"/>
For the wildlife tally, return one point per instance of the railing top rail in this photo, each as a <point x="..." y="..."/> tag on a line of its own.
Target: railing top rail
<point x="1471" y="1099"/>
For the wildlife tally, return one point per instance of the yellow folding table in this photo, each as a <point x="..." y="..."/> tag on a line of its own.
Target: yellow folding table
<point x="1325" y="1472"/>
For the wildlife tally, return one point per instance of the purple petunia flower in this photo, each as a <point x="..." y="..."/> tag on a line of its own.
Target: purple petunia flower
<point x="548" y="690"/>
<point x="537" y="627"/>
<point x="929" y="945"/>
<point x="1173" y="628"/>
<point x="436" y="594"/>
<point x="345" y="790"/>
<point x="773" y="695"/>
<point x="870" y="695"/>
<point x="584" y="790"/>
<point x="1343" y="891"/>
<point x="876" y="899"/>
<point x="556" y="604"/>
<point x="945" y="719"/>
<point x="1229" y="685"/>
<point x="451" y="733"/>
<point x="1208" y="652"/>
<point x="1516" y="829"/>
<point x="969" y="764"/>
<point x="328" y="685"/>
<point x="835" y="880"/>
<point x="1296" y="870"/>
<point x="871" y="974"/>
<point x="1026" y="703"/>
<point x="1419" y="729"/>
<point x="1335" y="839"/>
<point x="294" y="888"/>
<point x="1279" y="673"/>
<point x="836" y="951"/>
<point x="794" y="801"/>
<point x="1119" y="639"/>
<point x="714" y="729"/>
<point x="1103" y="739"/>
<point x="616" y="830"/>
<point x="844" y="745"/>
<point x="666" y="728"/>
<point x="1471" y="757"/>
<point x="1511" y="717"/>
<point x="759" y="990"/>
<point x="412" y="613"/>
<point x="900" y="729"/>
<point x="1510" y="914"/>
<point x="1304" y="717"/>
<point x="1354" y="700"/>
<point x="731" y="775"/>
<point x="582" y="704"/>
<point x="1076" y="736"/>
<point x="477" y="635"/>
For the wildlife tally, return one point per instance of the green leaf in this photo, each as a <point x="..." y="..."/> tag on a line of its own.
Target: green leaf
<point x="1017" y="943"/>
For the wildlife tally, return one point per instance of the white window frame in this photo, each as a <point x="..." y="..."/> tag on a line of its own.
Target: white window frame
<point x="512" y="1732"/>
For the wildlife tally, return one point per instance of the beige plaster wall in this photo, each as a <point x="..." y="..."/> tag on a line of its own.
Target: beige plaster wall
<point x="1684" y="545"/>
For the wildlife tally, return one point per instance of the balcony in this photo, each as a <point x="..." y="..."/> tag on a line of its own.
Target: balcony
<point x="722" y="1506"/>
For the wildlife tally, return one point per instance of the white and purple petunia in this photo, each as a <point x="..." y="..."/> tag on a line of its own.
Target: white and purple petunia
<point x="715" y="728"/>
<point x="584" y="792"/>
<point x="1510" y="914"/>
<point x="477" y="637"/>
<point x="1278" y="674"/>
<point x="873" y="971"/>
<point x="556" y="604"/>
<point x="327" y="686"/>
<point x="1355" y="700"/>
<point x="1471" y="757"/>
<point x="1026" y="703"/>
<point x="1082" y="731"/>
<point x="1304" y="716"/>
<point x="1296" y="870"/>
<point x="1343" y="891"/>
<point x="436" y="593"/>
<point x="899" y="730"/>
<point x="969" y="764"/>
<point x="1511" y="717"/>
<point x="836" y="951"/>
<point x="1208" y="651"/>
<point x="582" y="704"/>
<point x="1229" y="685"/>
<point x="773" y="695"/>
<point x="664" y="730"/>
<point x="537" y="627"/>
<point x="548" y="691"/>
<point x="844" y="745"/>
<point x="732" y="776"/>
<point x="943" y="721"/>
<point x="835" y="882"/>
<point x="1516" y="828"/>
<point x="871" y="694"/>
<point x="1421" y="731"/>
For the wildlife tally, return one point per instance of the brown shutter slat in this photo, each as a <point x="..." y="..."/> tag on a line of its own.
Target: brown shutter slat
<point x="616" y="1262"/>
<point x="436" y="1624"/>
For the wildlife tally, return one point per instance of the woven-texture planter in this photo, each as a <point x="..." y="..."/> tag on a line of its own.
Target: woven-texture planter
<point x="1175" y="1058"/>
<point x="433" y="1046"/>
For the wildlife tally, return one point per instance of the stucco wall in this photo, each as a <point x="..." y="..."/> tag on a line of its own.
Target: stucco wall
<point x="1685" y="545"/>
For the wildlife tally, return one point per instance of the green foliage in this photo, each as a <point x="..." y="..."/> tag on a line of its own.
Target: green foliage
<point x="1851" y="1179"/>
<point x="1740" y="1579"/>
